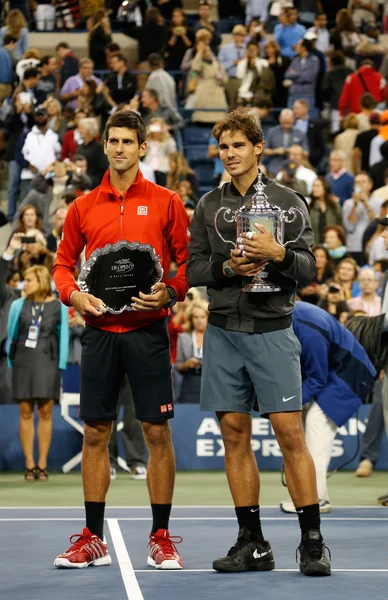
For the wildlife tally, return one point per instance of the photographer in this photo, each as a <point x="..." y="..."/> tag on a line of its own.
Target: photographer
<point x="357" y="213"/>
<point x="189" y="352"/>
<point x="334" y="301"/>
<point x="257" y="79"/>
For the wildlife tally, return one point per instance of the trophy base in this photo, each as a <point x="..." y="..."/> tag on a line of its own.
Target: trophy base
<point x="261" y="286"/>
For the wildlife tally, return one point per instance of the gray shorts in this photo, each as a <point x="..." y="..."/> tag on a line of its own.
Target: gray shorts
<point x="237" y="367"/>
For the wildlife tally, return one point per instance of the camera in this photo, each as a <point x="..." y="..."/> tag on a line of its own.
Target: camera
<point x="28" y="239"/>
<point x="333" y="289"/>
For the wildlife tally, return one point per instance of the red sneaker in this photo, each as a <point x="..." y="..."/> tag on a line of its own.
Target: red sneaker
<point x="163" y="554"/>
<point x="87" y="549"/>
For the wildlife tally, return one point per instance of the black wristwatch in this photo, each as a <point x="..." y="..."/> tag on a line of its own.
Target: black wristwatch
<point x="173" y="299"/>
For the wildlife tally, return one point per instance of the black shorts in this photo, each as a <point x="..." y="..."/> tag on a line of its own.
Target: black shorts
<point x="144" y="355"/>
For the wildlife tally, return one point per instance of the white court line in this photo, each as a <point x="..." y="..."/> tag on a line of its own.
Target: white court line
<point x="374" y="506"/>
<point x="127" y="573"/>
<point x="274" y="570"/>
<point x="290" y="519"/>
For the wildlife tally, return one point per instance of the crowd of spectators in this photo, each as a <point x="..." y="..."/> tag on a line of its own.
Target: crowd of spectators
<point x="314" y="73"/>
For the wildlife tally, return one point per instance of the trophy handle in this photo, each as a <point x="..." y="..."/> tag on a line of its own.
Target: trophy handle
<point x="293" y="211"/>
<point x="227" y="211"/>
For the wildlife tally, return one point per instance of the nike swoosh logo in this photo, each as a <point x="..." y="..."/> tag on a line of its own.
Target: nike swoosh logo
<point x="299" y="511"/>
<point x="257" y="555"/>
<point x="255" y="509"/>
<point x="287" y="399"/>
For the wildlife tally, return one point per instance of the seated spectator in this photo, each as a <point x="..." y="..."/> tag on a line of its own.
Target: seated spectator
<point x="72" y="138"/>
<point x="189" y="352"/>
<point x="257" y="79"/>
<point x="368" y="106"/>
<point x="279" y="140"/>
<point x="373" y="242"/>
<point x="31" y="60"/>
<point x="44" y="15"/>
<point x="189" y="199"/>
<point x="229" y="56"/>
<point x="341" y="182"/>
<point x="161" y="81"/>
<point x="151" y="36"/>
<point x="180" y="171"/>
<point x="303" y="173"/>
<point x="362" y="145"/>
<point x="288" y="32"/>
<point x="332" y="85"/>
<point x="324" y="270"/>
<point x="279" y="65"/>
<point x="100" y="34"/>
<point x="313" y="130"/>
<point x="334" y="239"/>
<point x="47" y="84"/>
<point x="324" y="209"/>
<point x="344" y="37"/>
<point x="334" y="300"/>
<point x="303" y="73"/>
<point x="75" y="85"/>
<point x="92" y="150"/>
<point x="344" y="142"/>
<point x="27" y="86"/>
<point x="160" y="145"/>
<point x="320" y="29"/>
<point x="369" y="301"/>
<point x="204" y="22"/>
<point x="357" y="213"/>
<point x="152" y="108"/>
<point x="41" y="146"/>
<point x="208" y="78"/>
<point x="79" y="179"/>
<point x="34" y="253"/>
<point x="363" y="11"/>
<point x="16" y="26"/>
<point x="55" y="120"/>
<point x="53" y="237"/>
<point x="28" y="220"/>
<point x="346" y="273"/>
<point x="288" y="178"/>
<point x="28" y="355"/>
<point x="120" y="84"/>
<point x="68" y="62"/>
<point x="365" y="79"/>
<point x="180" y="38"/>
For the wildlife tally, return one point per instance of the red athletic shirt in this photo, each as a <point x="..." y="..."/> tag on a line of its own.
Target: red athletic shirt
<point x="148" y="214"/>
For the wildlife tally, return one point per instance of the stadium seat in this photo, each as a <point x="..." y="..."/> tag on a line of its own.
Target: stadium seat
<point x="196" y="135"/>
<point x="196" y="152"/>
<point x="204" y="170"/>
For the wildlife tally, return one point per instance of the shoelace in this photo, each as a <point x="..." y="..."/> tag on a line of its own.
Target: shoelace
<point x="168" y="543"/>
<point x="79" y="540"/>
<point x="239" y="545"/>
<point x="313" y="549"/>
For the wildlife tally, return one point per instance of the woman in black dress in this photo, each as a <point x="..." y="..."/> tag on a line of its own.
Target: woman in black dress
<point x="99" y="36"/>
<point x="180" y="38"/>
<point x="39" y="339"/>
<point x="279" y="65"/>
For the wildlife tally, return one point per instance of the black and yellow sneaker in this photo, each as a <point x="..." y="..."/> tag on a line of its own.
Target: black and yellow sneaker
<point x="313" y="560"/>
<point x="246" y="555"/>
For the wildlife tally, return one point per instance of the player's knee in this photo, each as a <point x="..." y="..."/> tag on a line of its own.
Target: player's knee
<point x="235" y="435"/>
<point x="291" y="440"/>
<point x="97" y="434"/>
<point x="157" y="434"/>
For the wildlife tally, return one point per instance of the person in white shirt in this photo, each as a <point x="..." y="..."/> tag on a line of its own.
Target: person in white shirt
<point x="160" y="144"/>
<point x="161" y="81"/>
<point x="296" y="154"/>
<point x="41" y="147"/>
<point x="323" y="36"/>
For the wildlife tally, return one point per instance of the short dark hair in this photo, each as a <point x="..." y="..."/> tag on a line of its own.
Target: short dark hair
<point x="78" y="157"/>
<point x="130" y="120"/>
<point x="152" y="93"/>
<point x="64" y="45"/>
<point x="120" y="57"/>
<point x="11" y="272"/>
<point x="308" y="44"/>
<point x="9" y="39"/>
<point x="253" y="43"/>
<point x="30" y="73"/>
<point x="46" y="60"/>
<point x="155" y="59"/>
<point x="367" y="101"/>
<point x="241" y="119"/>
<point x="337" y="58"/>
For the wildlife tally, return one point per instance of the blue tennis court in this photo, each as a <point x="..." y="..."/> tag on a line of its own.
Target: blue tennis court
<point x="34" y="536"/>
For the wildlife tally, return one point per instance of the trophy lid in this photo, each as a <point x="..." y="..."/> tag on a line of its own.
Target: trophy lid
<point x="259" y="203"/>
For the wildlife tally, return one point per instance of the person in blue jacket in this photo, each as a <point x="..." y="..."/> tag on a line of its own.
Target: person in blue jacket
<point x="38" y="344"/>
<point x="337" y="376"/>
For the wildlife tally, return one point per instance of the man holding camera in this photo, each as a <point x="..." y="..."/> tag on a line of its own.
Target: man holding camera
<point x="357" y="213"/>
